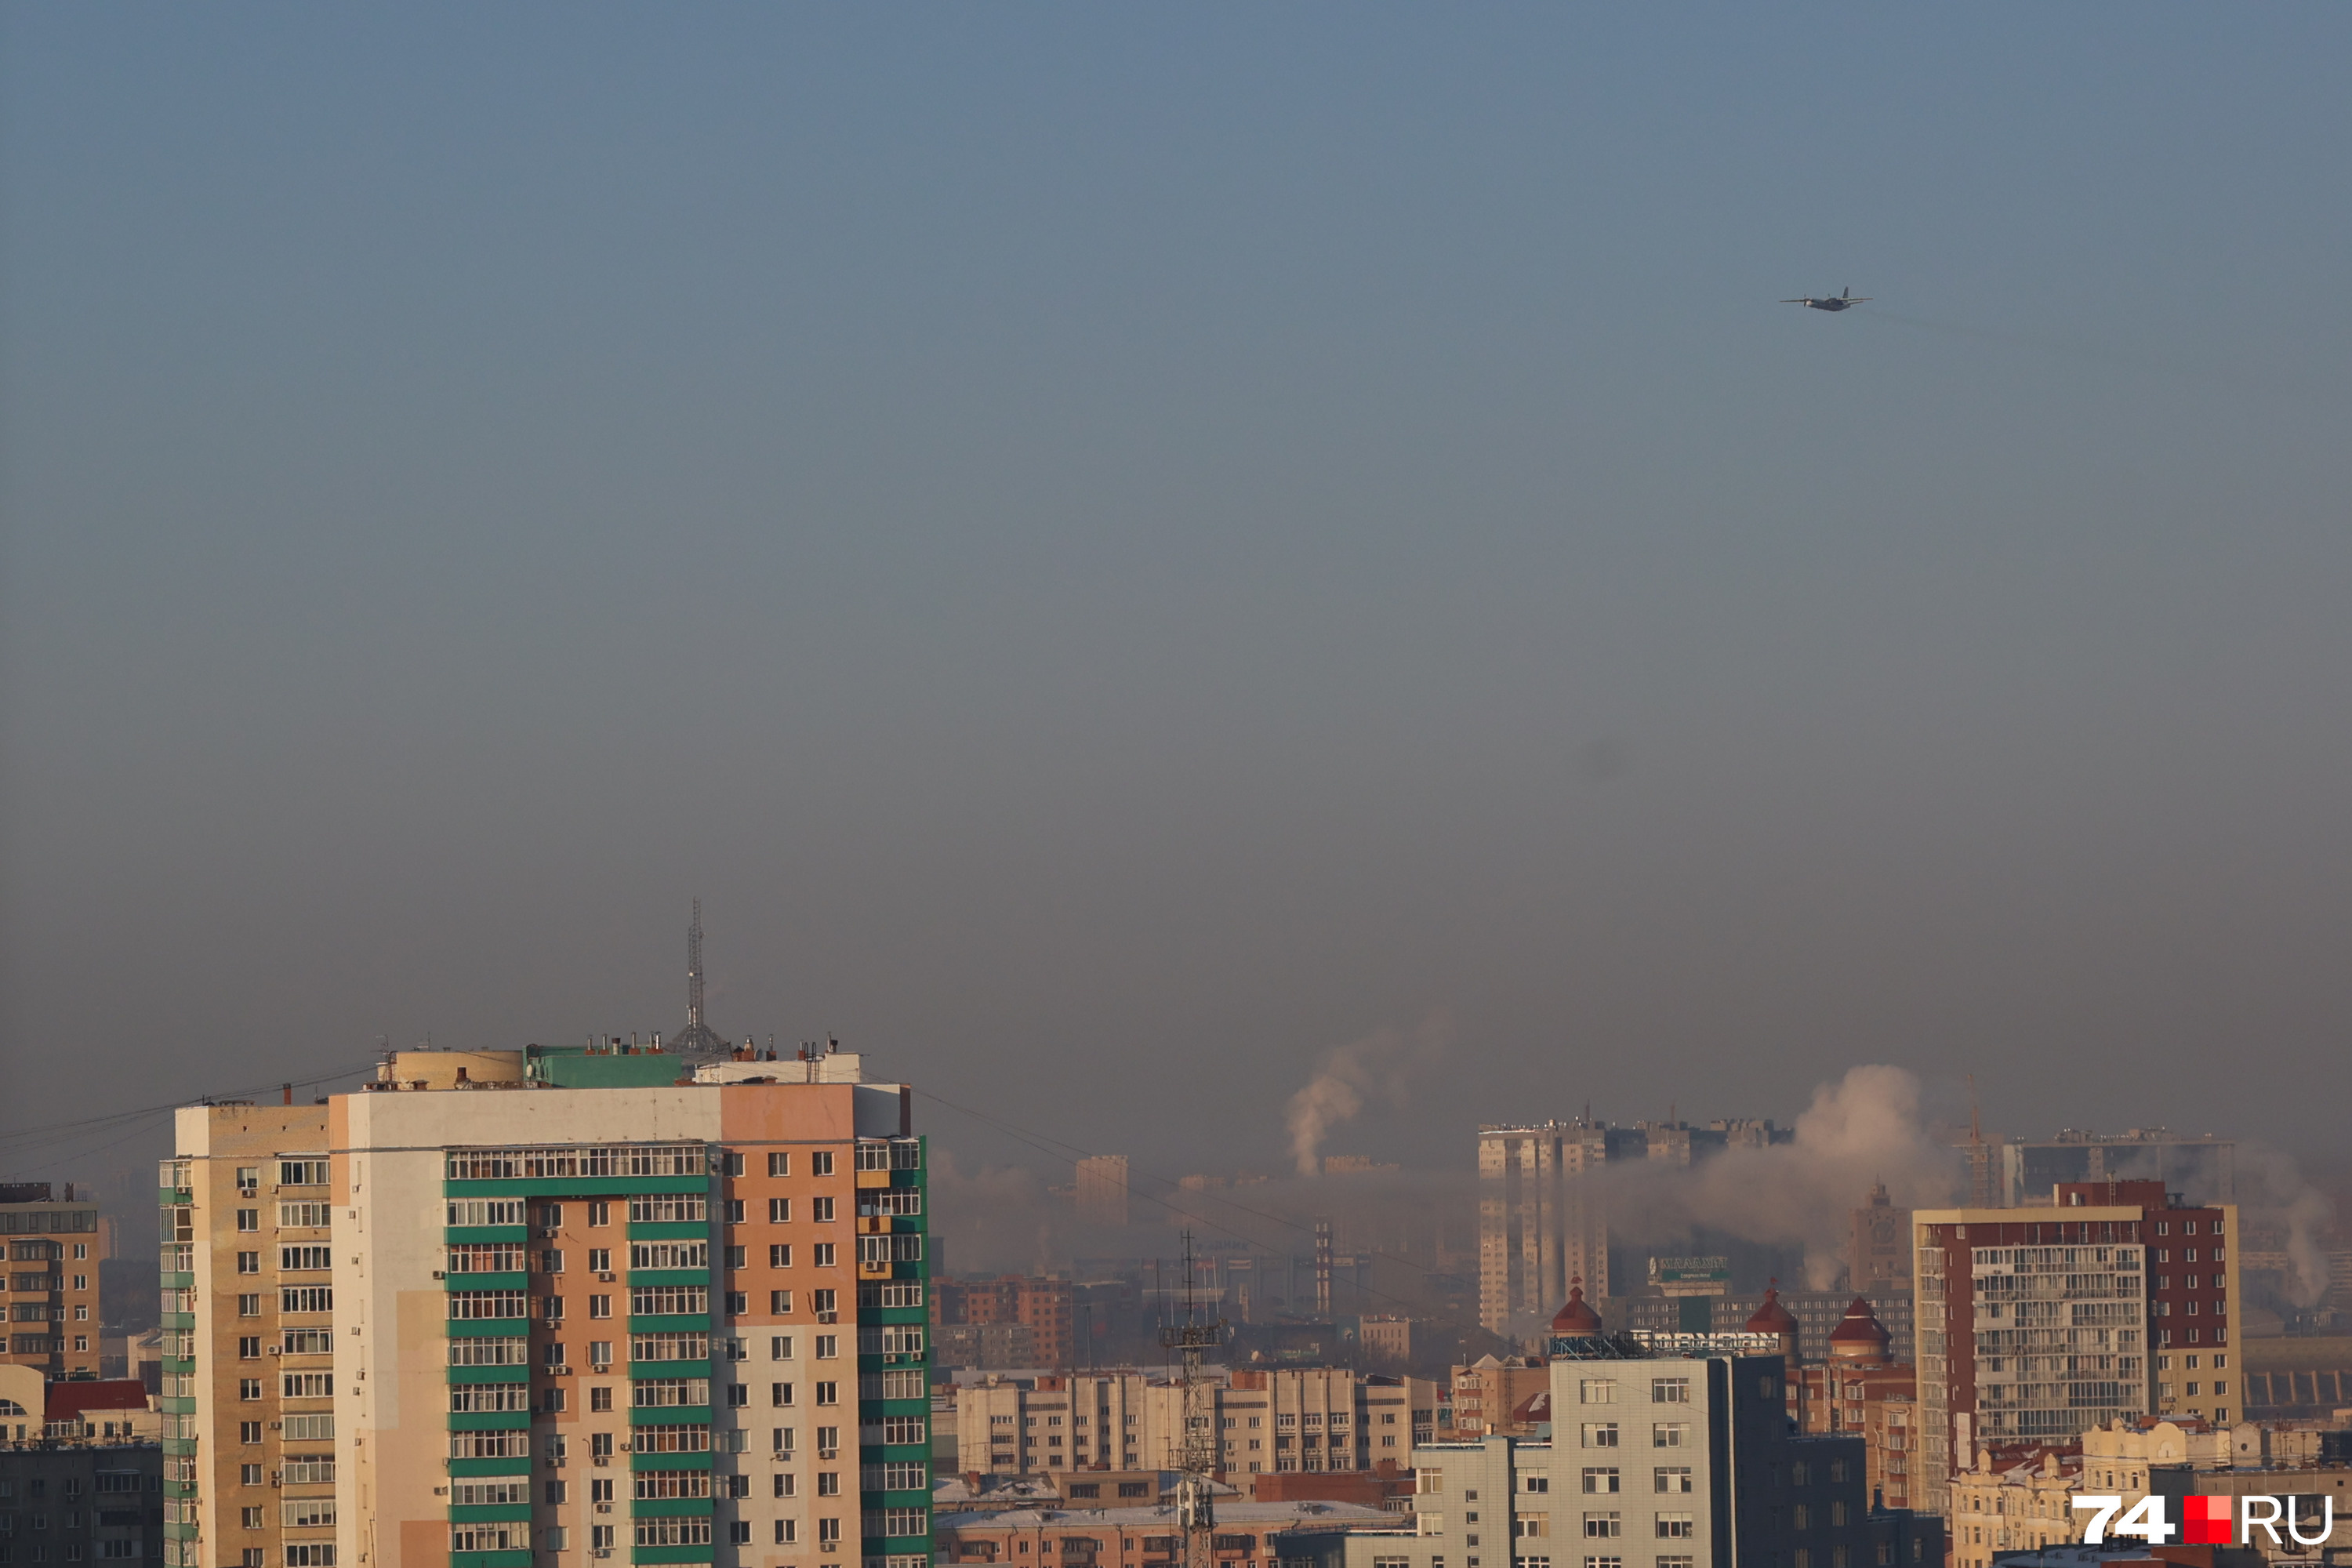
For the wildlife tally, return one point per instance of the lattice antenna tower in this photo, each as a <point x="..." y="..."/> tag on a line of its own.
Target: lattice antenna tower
<point x="698" y="1038"/>
<point x="1196" y="1451"/>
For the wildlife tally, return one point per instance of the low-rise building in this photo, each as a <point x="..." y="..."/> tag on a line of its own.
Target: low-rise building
<point x="2175" y="1459"/>
<point x="1487" y="1391"/>
<point x="1246" y="1534"/>
<point x="2013" y="1499"/>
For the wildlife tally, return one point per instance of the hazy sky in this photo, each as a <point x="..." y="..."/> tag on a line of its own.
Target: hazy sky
<point x="1118" y="548"/>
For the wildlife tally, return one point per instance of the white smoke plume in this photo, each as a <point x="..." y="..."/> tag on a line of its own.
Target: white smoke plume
<point x="1381" y="1067"/>
<point x="2273" y="1191"/>
<point x="1864" y="1128"/>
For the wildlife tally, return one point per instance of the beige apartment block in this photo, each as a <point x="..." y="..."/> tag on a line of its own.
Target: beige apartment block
<point x="1541" y="1224"/>
<point x="1292" y="1419"/>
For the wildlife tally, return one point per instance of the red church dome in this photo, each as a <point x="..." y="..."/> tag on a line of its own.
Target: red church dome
<point x="1576" y="1318"/>
<point x="1772" y="1318"/>
<point x="1860" y="1336"/>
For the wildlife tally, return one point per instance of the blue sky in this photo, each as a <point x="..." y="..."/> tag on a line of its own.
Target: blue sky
<point x="1105" y="542"/>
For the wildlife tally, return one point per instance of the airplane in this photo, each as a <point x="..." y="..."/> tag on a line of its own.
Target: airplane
<point x="1845" y="301"/>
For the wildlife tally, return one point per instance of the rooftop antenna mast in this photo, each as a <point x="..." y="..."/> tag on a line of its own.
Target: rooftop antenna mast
<point x="1196" y="1449"/>
<point x="698" y="1038"/>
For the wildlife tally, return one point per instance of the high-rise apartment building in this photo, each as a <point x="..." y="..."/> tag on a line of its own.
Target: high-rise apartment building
<point x="2035" y="1325"/>
<point x="48" y="1293"/>
<point x="1543" y="1222"/>
<point x="1101" y="1191"/>
<point x="2204" y="1169"/>
<point x="513" y="1308"/>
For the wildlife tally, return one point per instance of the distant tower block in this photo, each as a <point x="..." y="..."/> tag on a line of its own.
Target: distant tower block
<point x="698" y="1038"/>
<point x="1102" y="1189"/>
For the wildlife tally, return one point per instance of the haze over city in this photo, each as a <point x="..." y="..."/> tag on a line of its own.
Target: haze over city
<point x="1129" y="556"/>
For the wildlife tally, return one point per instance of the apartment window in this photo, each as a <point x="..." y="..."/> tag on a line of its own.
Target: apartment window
<point x="599" y="1260"/>
<point x="780" y="1163"/>
<point x="735" y="1257"/>
<point x="738" y="1531"/>
<point x="780" y="1347"/>
<point x="1676" y="1479"/>
<point x="780" y="1211"/>
<point x="734" y="1164"/>
<point x="820" y="1255"/>
<point x="248" y="1306"/>
<point x="1670" y="1434"/>
<point x="1670" y="1391"/>
<point x="248" y="1263"/>
<point x="248" y="1431"/>
<point x="821" y="1210"/>
<point x="1603" y="1526"/>
<point x="1600" y="1434"/>
<point x="1601" y="1478"/>
<point x="787" y="1530"/>
<point x="820" y="1161"/>
<point x="600" y="1212"/>
<point x="248" y="1219"/>
<point x="248" y="1475"/>
<point x="600" y="1398"/>
<point x="737" y="1302"/>
<point x="779" y="1396"/>
<point x="1675" y="1527"/>
<point x="250" y="1518"/>
<point x="738" y="1394"/>
<point x="823" y="1301"/>
<point x="599" y="1353"/>
<point x="1597" y="1391"/>
<point x="828" y="1394"/>
<point x="734" y="1212"/>
<point x="248" y="1348"/>
<point x="600" y="1306"/>
<point x="248" y="1388"/>
<point x="779" y="1303"/>
<point x="780" y="1255"/>
<point x="828" y="1348"/>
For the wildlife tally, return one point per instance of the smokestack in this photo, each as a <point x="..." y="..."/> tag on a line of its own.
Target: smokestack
<point x="1323" y="1269"/>
<point x="288" y="1090"/>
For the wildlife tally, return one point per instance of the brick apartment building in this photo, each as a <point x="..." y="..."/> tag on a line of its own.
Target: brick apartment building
<point x="2035" y="1325"/>
<point x="48" y="1280"/>
<point x="1045" y="1306"/>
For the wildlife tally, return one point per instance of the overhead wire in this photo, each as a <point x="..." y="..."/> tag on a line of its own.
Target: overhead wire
<point x="28" y="1146"/>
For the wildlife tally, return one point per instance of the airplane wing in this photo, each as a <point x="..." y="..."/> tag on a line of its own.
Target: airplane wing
<point x="1796" y="301"/>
